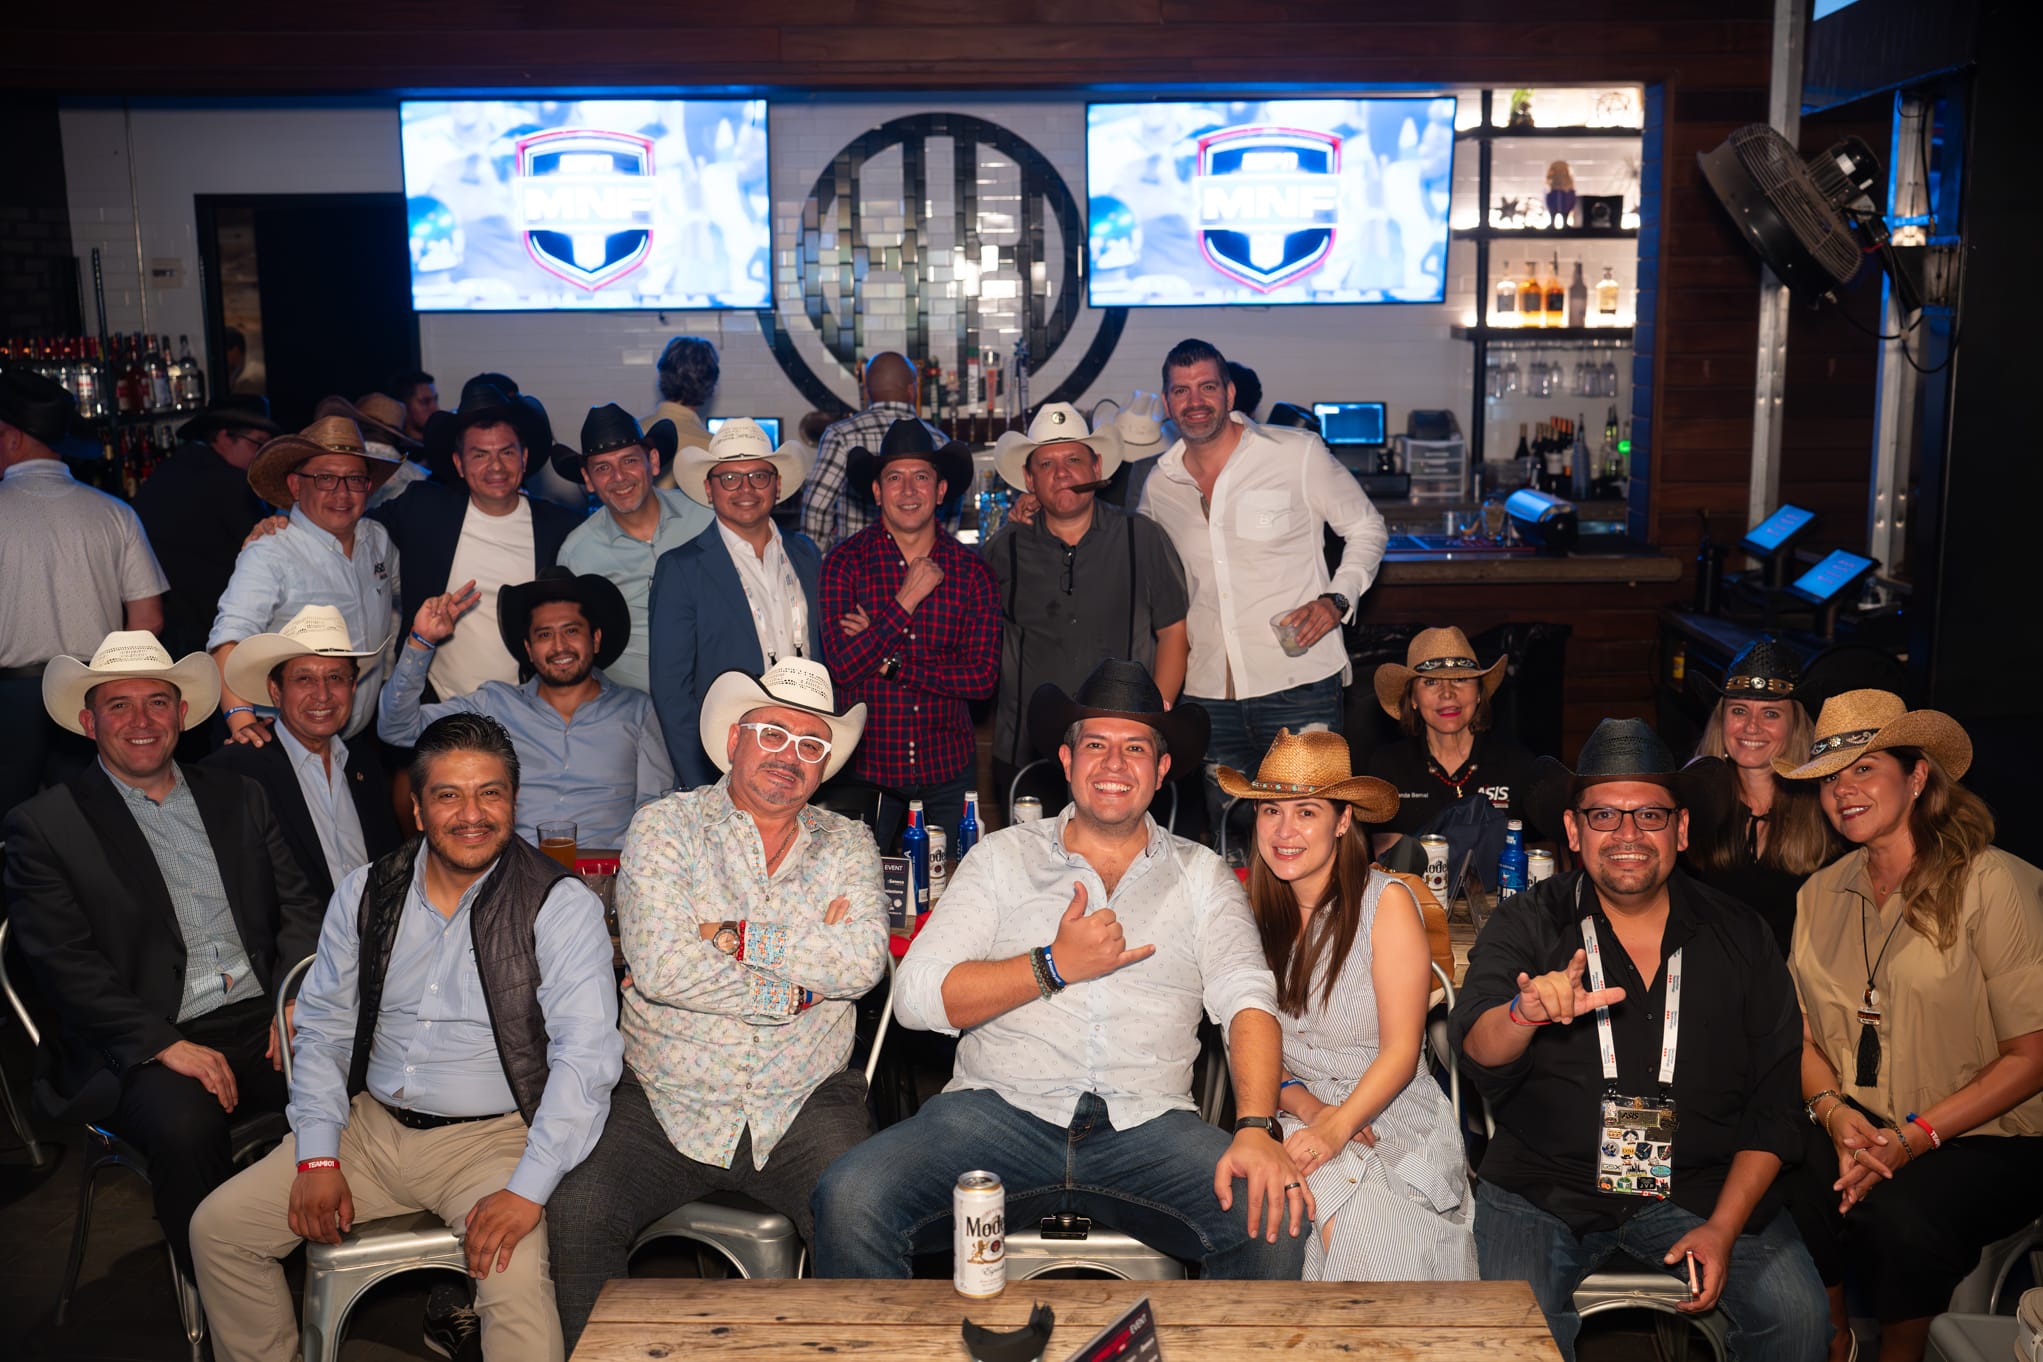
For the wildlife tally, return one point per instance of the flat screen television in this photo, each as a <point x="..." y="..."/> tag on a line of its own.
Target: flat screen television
<point x="538" y="205"/>
<point x="769" y="424"/>
<point x="1350" y="423"/>
<point x="1257" y="202"/>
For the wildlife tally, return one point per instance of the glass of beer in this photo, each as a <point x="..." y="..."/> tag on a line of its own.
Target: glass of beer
<point x="558" y="841"/>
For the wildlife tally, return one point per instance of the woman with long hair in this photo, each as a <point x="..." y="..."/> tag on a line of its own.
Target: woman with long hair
<point x="1366" y="1124"/>
<point x="1918" y="956"/>
<point x="1777" y="837"/>
<point x="1441" y="700"/>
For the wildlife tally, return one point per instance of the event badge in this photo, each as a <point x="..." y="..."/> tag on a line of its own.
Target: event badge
<point x="1635" y="1138"/>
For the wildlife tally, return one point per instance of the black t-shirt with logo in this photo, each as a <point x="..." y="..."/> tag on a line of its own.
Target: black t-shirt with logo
<point x="1498" y="770"/>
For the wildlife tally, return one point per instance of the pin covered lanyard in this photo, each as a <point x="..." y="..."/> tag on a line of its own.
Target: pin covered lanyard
<point x="1670" y="1028"/>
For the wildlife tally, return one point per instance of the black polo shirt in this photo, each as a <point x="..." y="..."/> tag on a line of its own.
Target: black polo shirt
<point x="1497" y="769"/>
<point x="1737" y="1072"/>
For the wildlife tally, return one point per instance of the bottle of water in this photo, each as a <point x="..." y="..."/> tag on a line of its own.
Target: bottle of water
<point x="915" y="846"/>
<point x="967" y="835"/>
<point x="1511" y="866"/>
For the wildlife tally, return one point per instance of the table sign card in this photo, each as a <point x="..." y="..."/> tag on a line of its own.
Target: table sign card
<point x="1131" y="1338"/>
<point x="894" y="877"/>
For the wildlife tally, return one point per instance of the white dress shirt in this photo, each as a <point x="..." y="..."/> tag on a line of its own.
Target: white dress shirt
<point x="780" y="612"/>
<point x="1259" y="554"/>
<point x="325" y="787"/>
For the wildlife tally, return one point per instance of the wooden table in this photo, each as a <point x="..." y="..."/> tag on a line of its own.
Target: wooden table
<point x="675" y="1318"/>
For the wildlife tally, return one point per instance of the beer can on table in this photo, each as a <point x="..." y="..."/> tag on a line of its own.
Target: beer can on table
<point x="939" y="862"/>
<point x="1436" y="862"/>
<point x="1538" y="866"/>
<point x="979" y="1239"/>
<point x="1028" y="809"/>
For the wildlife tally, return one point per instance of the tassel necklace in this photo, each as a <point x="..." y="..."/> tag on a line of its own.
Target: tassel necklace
<point x="1871" y="1012"/>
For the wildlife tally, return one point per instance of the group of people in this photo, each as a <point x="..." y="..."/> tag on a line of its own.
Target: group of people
<point x="688" y="681"/>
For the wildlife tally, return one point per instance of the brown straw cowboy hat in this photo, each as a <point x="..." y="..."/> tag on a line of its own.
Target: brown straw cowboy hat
<point x="1313" y="765"/>
<point x="1862" y="721"/>
<point x="1434" y="652"/>
<point x="328" y="435"/>
<point x="378" y="414"/>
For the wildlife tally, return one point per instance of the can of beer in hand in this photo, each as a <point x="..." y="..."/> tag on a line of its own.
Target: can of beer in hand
<point x="939" y="862"/>
<point x="1538" y="866"/>
<point x="1436" y="863"/>
<point x="1028" y="809"/>
<point x="979" y="1239"/>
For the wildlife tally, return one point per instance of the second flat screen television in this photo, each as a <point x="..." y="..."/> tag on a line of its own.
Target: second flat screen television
<point x="1202" y="203"/>
<point x="587" y="204"/>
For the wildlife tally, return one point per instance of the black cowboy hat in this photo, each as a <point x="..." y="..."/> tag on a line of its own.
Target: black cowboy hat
<point x="484" y="403"/>
<point x="602" y="603"/>
<point x="910" y="439"/>
<point x="1119" y="689"/>
<point x="234" y="411"/>
<point x="1765" y="670"/>
<point x="44" y="410"/>
<point x="611" y="427"/>
<point x="1629" y="749"/>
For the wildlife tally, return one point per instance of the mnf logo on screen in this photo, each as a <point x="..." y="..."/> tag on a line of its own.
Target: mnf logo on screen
<point x="1269" y="202"/>
<point x="586" y="200"/>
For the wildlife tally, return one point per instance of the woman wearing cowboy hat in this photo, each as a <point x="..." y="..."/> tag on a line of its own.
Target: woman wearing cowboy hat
<point x="1441" y="698"/>
<point x="1919" y="960"/>
<point x="1371" y="1131"/>
<point x="1762" y="858"/>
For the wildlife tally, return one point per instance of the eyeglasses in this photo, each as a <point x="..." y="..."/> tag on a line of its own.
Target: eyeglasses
<point x="759" y="480"/>
<point x="1651" y="818"/>
<point x="326" y="482"/>
<point x="774" y="738"/>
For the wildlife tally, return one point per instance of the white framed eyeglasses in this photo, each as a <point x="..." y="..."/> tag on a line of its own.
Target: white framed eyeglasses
<point x="1652" y="818"/>
<point x="774" y="738"/>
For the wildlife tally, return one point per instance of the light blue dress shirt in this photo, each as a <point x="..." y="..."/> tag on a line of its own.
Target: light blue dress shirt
<point x="300" y="565"/>
<point x="599" y="545"/>
<point x="435" y="1050"/>
<point x="595" y="772"/>
<point x="325" y="787"/>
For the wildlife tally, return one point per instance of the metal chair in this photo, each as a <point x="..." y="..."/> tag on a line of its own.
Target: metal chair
<point x="17" y="1117"/>
<point x="1980" y="1293"/>
<point x="1170" y="822"/>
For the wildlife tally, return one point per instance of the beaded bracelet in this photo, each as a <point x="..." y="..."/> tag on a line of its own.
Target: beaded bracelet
<point x="1901" y="1133"/>
<point x="1041" y="971"/>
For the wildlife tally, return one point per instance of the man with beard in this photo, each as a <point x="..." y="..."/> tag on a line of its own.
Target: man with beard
<point x="591" y="750"/>
<point x="456" y="1046"/>
<point x="1074" y="957"/>
<point x="1582" y="989"/>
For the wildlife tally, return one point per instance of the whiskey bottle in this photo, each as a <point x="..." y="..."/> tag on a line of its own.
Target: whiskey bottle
<point x="1578" y="299"/>
<point x="1556" y="296"/>
<point x="1531" y="297"/>
<point x="1606" y="299"/>
<point x="1506" y="312"/>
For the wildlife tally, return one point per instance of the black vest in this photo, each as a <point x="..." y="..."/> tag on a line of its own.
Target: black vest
<point x="500" y="923"/>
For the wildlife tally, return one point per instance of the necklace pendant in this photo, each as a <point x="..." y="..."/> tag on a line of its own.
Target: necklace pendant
<point x="1869" y="1008"/>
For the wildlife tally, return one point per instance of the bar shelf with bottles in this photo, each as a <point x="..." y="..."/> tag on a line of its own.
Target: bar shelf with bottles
<point x="132" y="392"/>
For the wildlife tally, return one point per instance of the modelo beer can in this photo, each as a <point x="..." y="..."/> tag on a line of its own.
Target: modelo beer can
<point x="939" y="862"/>
<point x="1436" y="863"/>
<point x="979" y="1239"/>
<point x="1539" y="865"/>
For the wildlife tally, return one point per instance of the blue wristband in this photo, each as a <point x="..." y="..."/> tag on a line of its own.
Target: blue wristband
<point x="1291" y="1083"/>
<point x="237" y="709"/>
<point x="1050" y="963"/>
<point x="423" y="642"/>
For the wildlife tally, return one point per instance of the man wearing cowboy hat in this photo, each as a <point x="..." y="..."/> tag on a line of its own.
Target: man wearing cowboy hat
<point x="381" y="418"/>
<point x="738" y="596"/>
<point x="591" y="750"/>
<point x="157" y="905"/>
<point x="481" y="528"/>
<point x="835" y="505"/>
<point x="911" y="626"/>
<point x="1074" y="957"/>
<point x="324" y="553"/>
<point x="751" y="921"/>
<point x="91" y="564"/>
<point x="1081" y="581"/>
<point x="1638" y="1038"/>
<point x="331" y="798"/>
<point x="638" y="523"/>
<point x="198" y="507"/>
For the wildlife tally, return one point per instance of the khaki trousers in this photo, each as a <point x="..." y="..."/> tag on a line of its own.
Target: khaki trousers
<point x="242" y="1230"/>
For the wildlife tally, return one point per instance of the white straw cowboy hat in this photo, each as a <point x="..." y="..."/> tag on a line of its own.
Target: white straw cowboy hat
<point x="1862" y="721"/>
<point x="1140" y="426"/>
<point x="1314" y="764"/>
<point x="1434" y="652"/>
<point x="315" y="631"/>
<point x="796" y="683"/>
<point x="1055" y="423"/>
<point x="275" y="461"/>
<point x="130" y="655"/>
<point x="740" y="440"/>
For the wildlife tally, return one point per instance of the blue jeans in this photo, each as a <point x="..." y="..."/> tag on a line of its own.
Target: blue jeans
<point x="1244" y="729"/>
<point x="890" y="1197"/>
<point x="1773" y="1299"/>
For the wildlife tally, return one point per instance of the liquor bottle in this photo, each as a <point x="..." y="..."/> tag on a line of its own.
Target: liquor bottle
<point x="1511" y="866"/>
<point x="1580" y="470"/>
<point x="1556" y="296"/>
<point x="1531" y="298"/>
<point x="130" y="387"/>
<point x="1578" y="299"/>
<point x="967" y="835"/>
<point x="915" y="846"/>
<point x="1606" y="299"/>
<point x="188" y="380"/>
<point x="1506" y="313"/>
<point x="91" y="385"/>
<point x="1522" y="456"/>
<point x="161" y="398"/>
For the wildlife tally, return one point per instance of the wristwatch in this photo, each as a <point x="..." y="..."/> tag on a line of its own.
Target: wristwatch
<point x="1340" y="602"/>
<point x="890" y="665"/>
<point x="1266" y="1124"/>
<point x="726" y="938"/>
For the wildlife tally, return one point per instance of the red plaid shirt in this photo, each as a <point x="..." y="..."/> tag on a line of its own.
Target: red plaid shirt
<point x="918" y="728"/>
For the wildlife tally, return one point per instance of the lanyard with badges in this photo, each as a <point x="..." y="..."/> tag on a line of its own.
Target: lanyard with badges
<point x="1635" y="1142"/>
<point x="797" y="610"/>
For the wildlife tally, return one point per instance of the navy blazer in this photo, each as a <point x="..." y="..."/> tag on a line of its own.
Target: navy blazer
<point x="700" y="626"/>
<point x="94" y="921"/>
<point x="270" y="767"/>
<point x="425" y="525"/>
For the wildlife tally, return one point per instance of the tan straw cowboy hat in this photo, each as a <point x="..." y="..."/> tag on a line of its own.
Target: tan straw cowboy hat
<point x="378" y="414"/>
<point x="1862" y="721"/>
<point x="796" y="683"/>
<point x="130" y="655"/>
<point x="1434" y="652"/>
<point x="315" y="631"/>
<point x="1313" y="765"/>
<point x="1055" y="423"/>
<point x="275" y="461"/>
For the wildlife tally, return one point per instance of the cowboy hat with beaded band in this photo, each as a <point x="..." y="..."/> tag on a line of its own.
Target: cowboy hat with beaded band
<point x="793" y="683"/>
<point x="602" y="606"/>
<point x="1120" y="689"/>
<point x="610" y="427"/>
<point x="1862" y="721"/>
<point x="130" y="655"/>
<point x="740" y="440"/>
<point x="1434" y="652"/>
<point x="1314" y="764"/>
<point x="315" y="631"/>
<point x="380" y="416"/>
<point x="277" y="460"/>
<point x="1765" y="670"/>
<point x="1055" y="423"/>
<point x="909" y="439"/>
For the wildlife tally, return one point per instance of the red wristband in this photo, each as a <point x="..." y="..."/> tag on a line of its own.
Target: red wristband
<point x="1521" y="1020"/>
<point x="1936" y="1141"/>
<point x="312" y="1165"/>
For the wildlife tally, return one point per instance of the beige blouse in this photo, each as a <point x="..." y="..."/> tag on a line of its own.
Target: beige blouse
<point x="1946" y="1011"/>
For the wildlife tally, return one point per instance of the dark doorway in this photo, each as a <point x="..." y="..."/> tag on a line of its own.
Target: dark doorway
<point x="318" y="288"/>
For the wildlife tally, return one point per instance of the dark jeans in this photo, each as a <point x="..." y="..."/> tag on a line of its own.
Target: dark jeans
<point x="635" y="1175"/>
<point x="943" y="804"/>
<point x="1244" y="729"/>
<point x="34" y="752"/>
<point x="1909" y="1243"/>
<point x="181" y="1127"/>
<point x="1772" y="1298"/>
<point x="890" y="1198"/>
